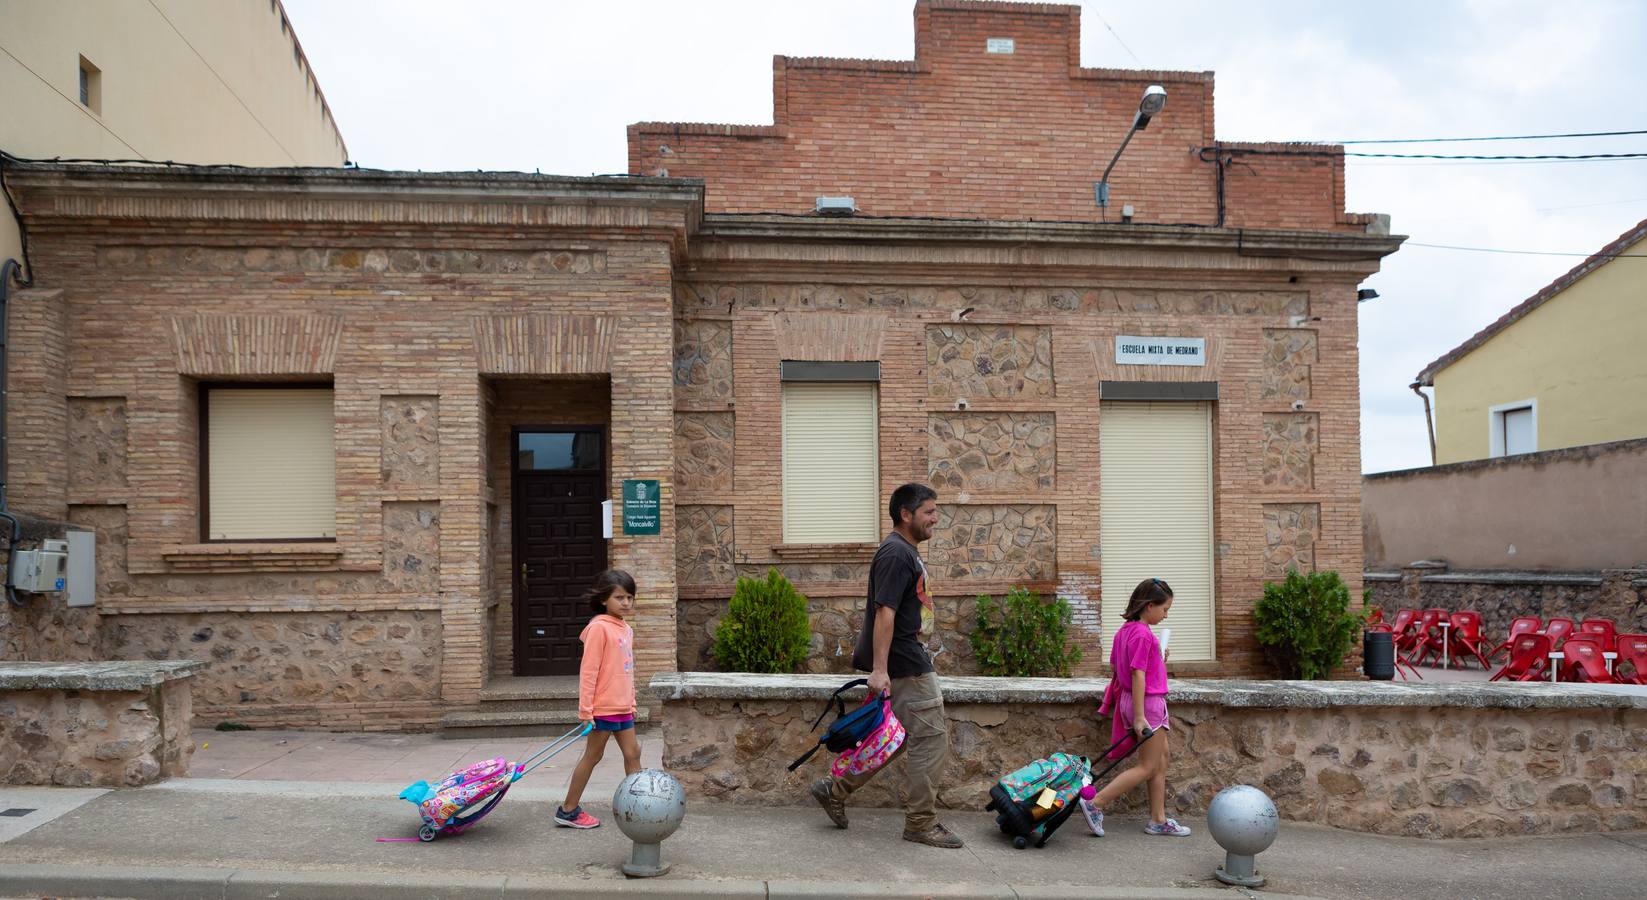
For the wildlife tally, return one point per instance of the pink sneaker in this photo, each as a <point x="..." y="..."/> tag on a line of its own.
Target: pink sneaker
<point x="577" y="818"/>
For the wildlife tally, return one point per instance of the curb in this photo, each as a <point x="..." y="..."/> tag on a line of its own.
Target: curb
<point x="179" y="883"/>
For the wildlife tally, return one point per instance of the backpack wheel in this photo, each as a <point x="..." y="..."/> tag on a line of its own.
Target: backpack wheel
<point x="1020" y="842"/>
<point x="426" y="833"/>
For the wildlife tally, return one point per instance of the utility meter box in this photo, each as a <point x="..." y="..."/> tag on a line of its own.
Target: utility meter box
<point x="42" y="570"/>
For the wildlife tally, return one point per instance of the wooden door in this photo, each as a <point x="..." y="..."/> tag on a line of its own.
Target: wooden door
<point x="559" y="548"/>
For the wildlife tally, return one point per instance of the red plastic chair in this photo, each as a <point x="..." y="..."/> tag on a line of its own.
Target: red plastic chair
<point x="1632" y="649"/>
<point x="1376" y="617"/>
<point x="1466" y="637"/>
<point x="1429" y="635"/>
<point x="1518" y="626"/>
<point x="1558" y="629"/>
<point x="1402" y="628"/>
<point x="1529" y="656"/>
<point x="1603" y="630"/>
<point x="1583" y="661"/>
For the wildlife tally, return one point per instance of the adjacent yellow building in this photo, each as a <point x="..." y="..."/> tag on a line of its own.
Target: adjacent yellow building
<point x="1564" y="368"/>
<point x="199" y="81"/>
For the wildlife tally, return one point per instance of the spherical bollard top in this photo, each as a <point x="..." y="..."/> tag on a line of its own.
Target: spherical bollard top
<point x="1242" y="820"/>
<point x="649" y="805"/>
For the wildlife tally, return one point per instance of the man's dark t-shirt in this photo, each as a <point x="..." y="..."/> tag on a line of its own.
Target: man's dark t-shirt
<point x="897" y="579"/>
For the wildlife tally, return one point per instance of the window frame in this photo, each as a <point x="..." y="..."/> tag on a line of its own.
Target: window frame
<point x="795" y="375"/>
<point x="203" y="428"/>
<point x="1497" y="438"/>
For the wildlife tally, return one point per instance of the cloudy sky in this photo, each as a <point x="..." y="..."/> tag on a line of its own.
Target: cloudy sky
<point x="551" y="86"/>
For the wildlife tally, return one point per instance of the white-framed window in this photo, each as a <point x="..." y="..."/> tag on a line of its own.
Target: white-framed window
<point x="1512" y="428"/>
<point x="268" y="463"/>
<point x="1155" y="519"/>
<point x="831" y="462"/>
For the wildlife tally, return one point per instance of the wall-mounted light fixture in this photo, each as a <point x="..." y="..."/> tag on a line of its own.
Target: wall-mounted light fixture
<point x="1154" y="100"/>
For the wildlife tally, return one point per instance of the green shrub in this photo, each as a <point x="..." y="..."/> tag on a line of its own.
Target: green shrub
<point x="765" y="629"/>
<point x="1305" y="624"/>
<point x="1023" y="637"/>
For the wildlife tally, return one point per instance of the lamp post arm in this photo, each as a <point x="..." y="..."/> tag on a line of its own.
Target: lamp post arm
<point x="1104" y="195"/>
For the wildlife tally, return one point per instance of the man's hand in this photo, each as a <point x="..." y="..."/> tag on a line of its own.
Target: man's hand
<point x="879" y="683"/>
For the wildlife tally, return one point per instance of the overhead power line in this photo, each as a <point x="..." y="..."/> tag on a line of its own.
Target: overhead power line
<point x="1327" y="151"/>
<point x="1518" y="252"/>
<point x="1502" y="137"/>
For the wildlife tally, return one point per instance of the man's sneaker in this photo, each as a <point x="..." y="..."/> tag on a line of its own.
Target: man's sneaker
<point x="577" y="818"/>
<point x="835" y="809"/>
<point x="1169" y="828"/>
<point x="936" y="836"/>
<point x="1094" y="817"/>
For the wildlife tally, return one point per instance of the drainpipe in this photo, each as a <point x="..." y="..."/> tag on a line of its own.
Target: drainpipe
<point x="1430" y="429"/>
<point x="8" y="270"/>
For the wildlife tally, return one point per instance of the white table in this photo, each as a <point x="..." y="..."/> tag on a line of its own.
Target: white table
<point x="1446" y="631"/>
<point x="1609" y="656"/>
<point x="1556" y="656"/>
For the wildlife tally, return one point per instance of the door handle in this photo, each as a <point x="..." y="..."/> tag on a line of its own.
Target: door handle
<point x="522" y="573"/>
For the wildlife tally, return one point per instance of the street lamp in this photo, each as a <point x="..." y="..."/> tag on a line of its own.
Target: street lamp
<point x="1154" y="100"/>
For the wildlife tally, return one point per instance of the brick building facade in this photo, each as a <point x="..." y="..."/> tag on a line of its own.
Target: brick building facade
<point x="663" y="327"/>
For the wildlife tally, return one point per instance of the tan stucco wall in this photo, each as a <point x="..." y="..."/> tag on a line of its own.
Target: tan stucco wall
<point x="1579" y="355"/>
<point x="187" y="80"/>
<point x="1580" y="508"/>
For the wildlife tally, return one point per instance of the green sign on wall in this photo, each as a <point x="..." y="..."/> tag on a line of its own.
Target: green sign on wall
<point x="640" y="506"/>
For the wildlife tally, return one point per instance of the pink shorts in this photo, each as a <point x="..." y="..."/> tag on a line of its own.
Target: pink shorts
<point x="1155" y="710"/>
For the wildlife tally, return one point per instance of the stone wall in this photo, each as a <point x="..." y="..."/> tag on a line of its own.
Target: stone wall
<point x="989" y="362"/>
<point x="292" y="658"/>
<point x="1424" y="761"/>
<point x="97" y="725"/>
<point x="972" y="452"/>
<point x="1616" y="594"/>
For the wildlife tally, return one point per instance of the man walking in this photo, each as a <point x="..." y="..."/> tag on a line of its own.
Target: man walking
<point x="897" y="616"/>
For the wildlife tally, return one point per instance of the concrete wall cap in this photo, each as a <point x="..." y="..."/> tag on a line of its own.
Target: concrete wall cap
<point x="134" y="675"/>
<point x="679" y="686"/>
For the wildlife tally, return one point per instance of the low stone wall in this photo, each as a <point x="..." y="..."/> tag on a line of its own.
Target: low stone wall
<point x="1425" y="760"/>
<point x="107" y="724"/>
<point x="1500" y="596"/>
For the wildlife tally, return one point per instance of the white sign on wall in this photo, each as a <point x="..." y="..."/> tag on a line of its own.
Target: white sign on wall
<point x="1133" y="350"/>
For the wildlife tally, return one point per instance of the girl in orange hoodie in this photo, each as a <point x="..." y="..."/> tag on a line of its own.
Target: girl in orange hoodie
<point x="606" y="688"/>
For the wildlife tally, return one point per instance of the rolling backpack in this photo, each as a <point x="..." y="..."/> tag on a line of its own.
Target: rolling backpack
<point x="873" y="722"/>
<point x="1039" y="797"/>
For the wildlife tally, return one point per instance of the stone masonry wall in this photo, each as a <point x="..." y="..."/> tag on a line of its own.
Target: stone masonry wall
<point x="1620" y="595"/>
<point x="93" y="738"/>
<point x="1414" y="771"/>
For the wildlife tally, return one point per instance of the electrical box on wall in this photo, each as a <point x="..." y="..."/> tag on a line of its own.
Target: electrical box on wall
<point x="42" y="570"/>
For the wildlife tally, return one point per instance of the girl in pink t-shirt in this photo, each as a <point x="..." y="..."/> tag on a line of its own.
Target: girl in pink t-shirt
<point x="606" y="689"/>
<point x="1137" y="699"/>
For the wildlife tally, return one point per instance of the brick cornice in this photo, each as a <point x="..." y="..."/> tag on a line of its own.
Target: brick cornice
<point x="49" y="191"/>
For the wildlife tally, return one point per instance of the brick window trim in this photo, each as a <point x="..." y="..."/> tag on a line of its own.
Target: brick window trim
<point x="855" y="551"/>
<point x="262" y="556"/>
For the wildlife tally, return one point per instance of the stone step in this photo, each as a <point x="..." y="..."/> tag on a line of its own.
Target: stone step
<point x="564" y="704"/>
<point x="548" y="724"/>
<point x="544" y="687"/>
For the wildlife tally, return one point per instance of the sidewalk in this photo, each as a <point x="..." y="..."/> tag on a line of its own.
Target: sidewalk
<point x="236" y="836"/>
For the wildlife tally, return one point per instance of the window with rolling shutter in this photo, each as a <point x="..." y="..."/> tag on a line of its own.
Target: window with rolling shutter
<point x="270" y="464"/>
<point x="831" y="456"/>
<point x="1155" y="515"/>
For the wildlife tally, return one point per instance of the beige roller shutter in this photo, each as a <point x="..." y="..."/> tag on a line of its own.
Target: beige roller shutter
<point x="270" y="466"/>
<point x="1156" y="515"/>
<point x="831" y="455"/>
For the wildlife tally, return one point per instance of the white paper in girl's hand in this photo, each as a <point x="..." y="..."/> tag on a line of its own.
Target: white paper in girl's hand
<point x="1165" y="636"/>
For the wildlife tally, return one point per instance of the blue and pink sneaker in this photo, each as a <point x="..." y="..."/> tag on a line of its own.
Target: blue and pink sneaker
<point x="1169" y="828"/>
<point x="577" y="818"/>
